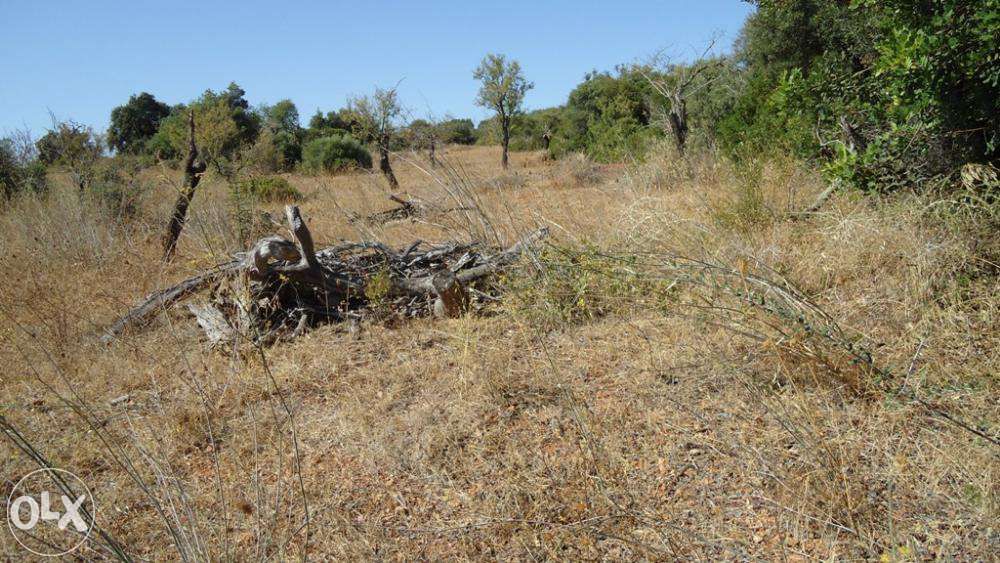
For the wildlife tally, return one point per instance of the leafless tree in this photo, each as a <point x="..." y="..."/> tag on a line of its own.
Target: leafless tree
<point x="676" y="84"/>
<point x="193" y="170"/>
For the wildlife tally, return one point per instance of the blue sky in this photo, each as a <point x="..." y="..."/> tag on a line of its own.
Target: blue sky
<point x="80" y="59"/>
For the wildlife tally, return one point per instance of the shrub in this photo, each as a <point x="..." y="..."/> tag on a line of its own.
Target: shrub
<point x="457" y="131"/>
<point x="267" y="189"/>
<point x="117" y="187"/>
<point x="68" y="144"/>
<point x="335" y="153"/>
<point x="19" y="171"/>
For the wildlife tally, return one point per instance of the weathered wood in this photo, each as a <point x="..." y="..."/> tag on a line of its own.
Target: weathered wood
<point x="193" y="169"/>
<point x="281" y="287"/>
<point x="451" y="297"/>
<point x="160" y="300"/>
<point x="213" y="322"/>
<point x="407" y="209"/>
<point x="383" y="162"/>
<point x="819" y="202"/>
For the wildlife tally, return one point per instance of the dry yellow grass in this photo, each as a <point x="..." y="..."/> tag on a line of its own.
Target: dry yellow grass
<point x="598" y="414"/>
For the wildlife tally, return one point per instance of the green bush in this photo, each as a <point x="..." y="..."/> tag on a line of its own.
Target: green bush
<point x="69" y="144"/>
<point x="18" y="172"/>
<point x="117" y="187"/>
<point x="267" y="189"/>
<point x="885" y="95"/>
<point x="335" y="153"/>
<point x="457" y="131"/>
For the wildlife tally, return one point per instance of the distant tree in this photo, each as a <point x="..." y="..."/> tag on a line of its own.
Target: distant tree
<point x="377" y="120"/>
<point x="226" y="125"/>
<point x="457" y="131"/>
<point x="282" y="133"/>
<point x="73" y="146"/>
<point x="247" y="121"/>
<point x="677" y="84"/>
<point x="422" y="134"/>
<point x="135" y="122"/>
<point x="503" y="89"/>
<point x="283" y="116"/>
<point x="607" y="116"/>
<point x="334" y="154"/>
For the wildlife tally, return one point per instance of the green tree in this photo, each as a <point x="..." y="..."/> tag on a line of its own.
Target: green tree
<point x="20" y="169"/>
<point x="283" y="116"/>
<point x="376" y="120"/>
<point x="884" y="94"/>
<point x="502" y="89"/>
<point x="225" y="126"/>
<point x="283" y="133"/>
<point x="72" y="146"/>
<point x="606" y="116"/>
<point x="135" y="122"/>
<point x="457" y="131"/>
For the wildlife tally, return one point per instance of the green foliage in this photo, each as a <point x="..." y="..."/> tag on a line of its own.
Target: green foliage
<point x="526" y="130"/>
<point x="374" y="118"/>
<point x="20" y="169"/>
<point x="267" y="189"/>
<point x="117" y="186"/>
<point x="502" y="89"/>
<point x="279" y="145"/>
<point x="884" y="94"/>
<point x="289" y="148"/>
<point x="335" y="153"/>
<point x="419" y="134"/>
<point x="502" y="85"/>
<point x="607" y="117"/>
<point x="134" y="123"/>
<point x="457" y="131"/>
<point x="282" y="116"/>
<point x="333" y="123"/>
<point x="68" y="144"/>
<point x="224" y="125"/>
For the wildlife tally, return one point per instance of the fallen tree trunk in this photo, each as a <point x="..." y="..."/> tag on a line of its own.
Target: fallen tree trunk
<point x="406" y="209"/>
<point x="140" y="315"/>
<point x="280" y="287"/>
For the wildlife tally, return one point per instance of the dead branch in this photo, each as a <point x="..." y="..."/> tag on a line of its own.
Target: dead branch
<point x="821" y="200"/>
<point x="407" y="209"/>
<point x="160" y="300"/>
<point x="193" y="169"/>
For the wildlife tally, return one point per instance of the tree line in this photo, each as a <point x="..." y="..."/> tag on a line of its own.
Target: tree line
<point x="879" y="95"/>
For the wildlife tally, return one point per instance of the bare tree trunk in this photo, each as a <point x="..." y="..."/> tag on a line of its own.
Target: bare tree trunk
<point x="505" y="125"/>
<point x="193" y="169"/>
<point x="383" y="163"/>
<point x="678" y="120"/>
<point x="433" y="158"/>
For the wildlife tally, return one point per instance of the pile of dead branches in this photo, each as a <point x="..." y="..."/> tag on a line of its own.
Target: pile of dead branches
<point x="280" y="287"/>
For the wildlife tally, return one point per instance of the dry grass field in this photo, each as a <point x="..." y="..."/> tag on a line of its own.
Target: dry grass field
<point x="685" y="371"/>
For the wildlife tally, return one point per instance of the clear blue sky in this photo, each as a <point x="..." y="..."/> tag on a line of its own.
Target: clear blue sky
<point x="79" y="59"/>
